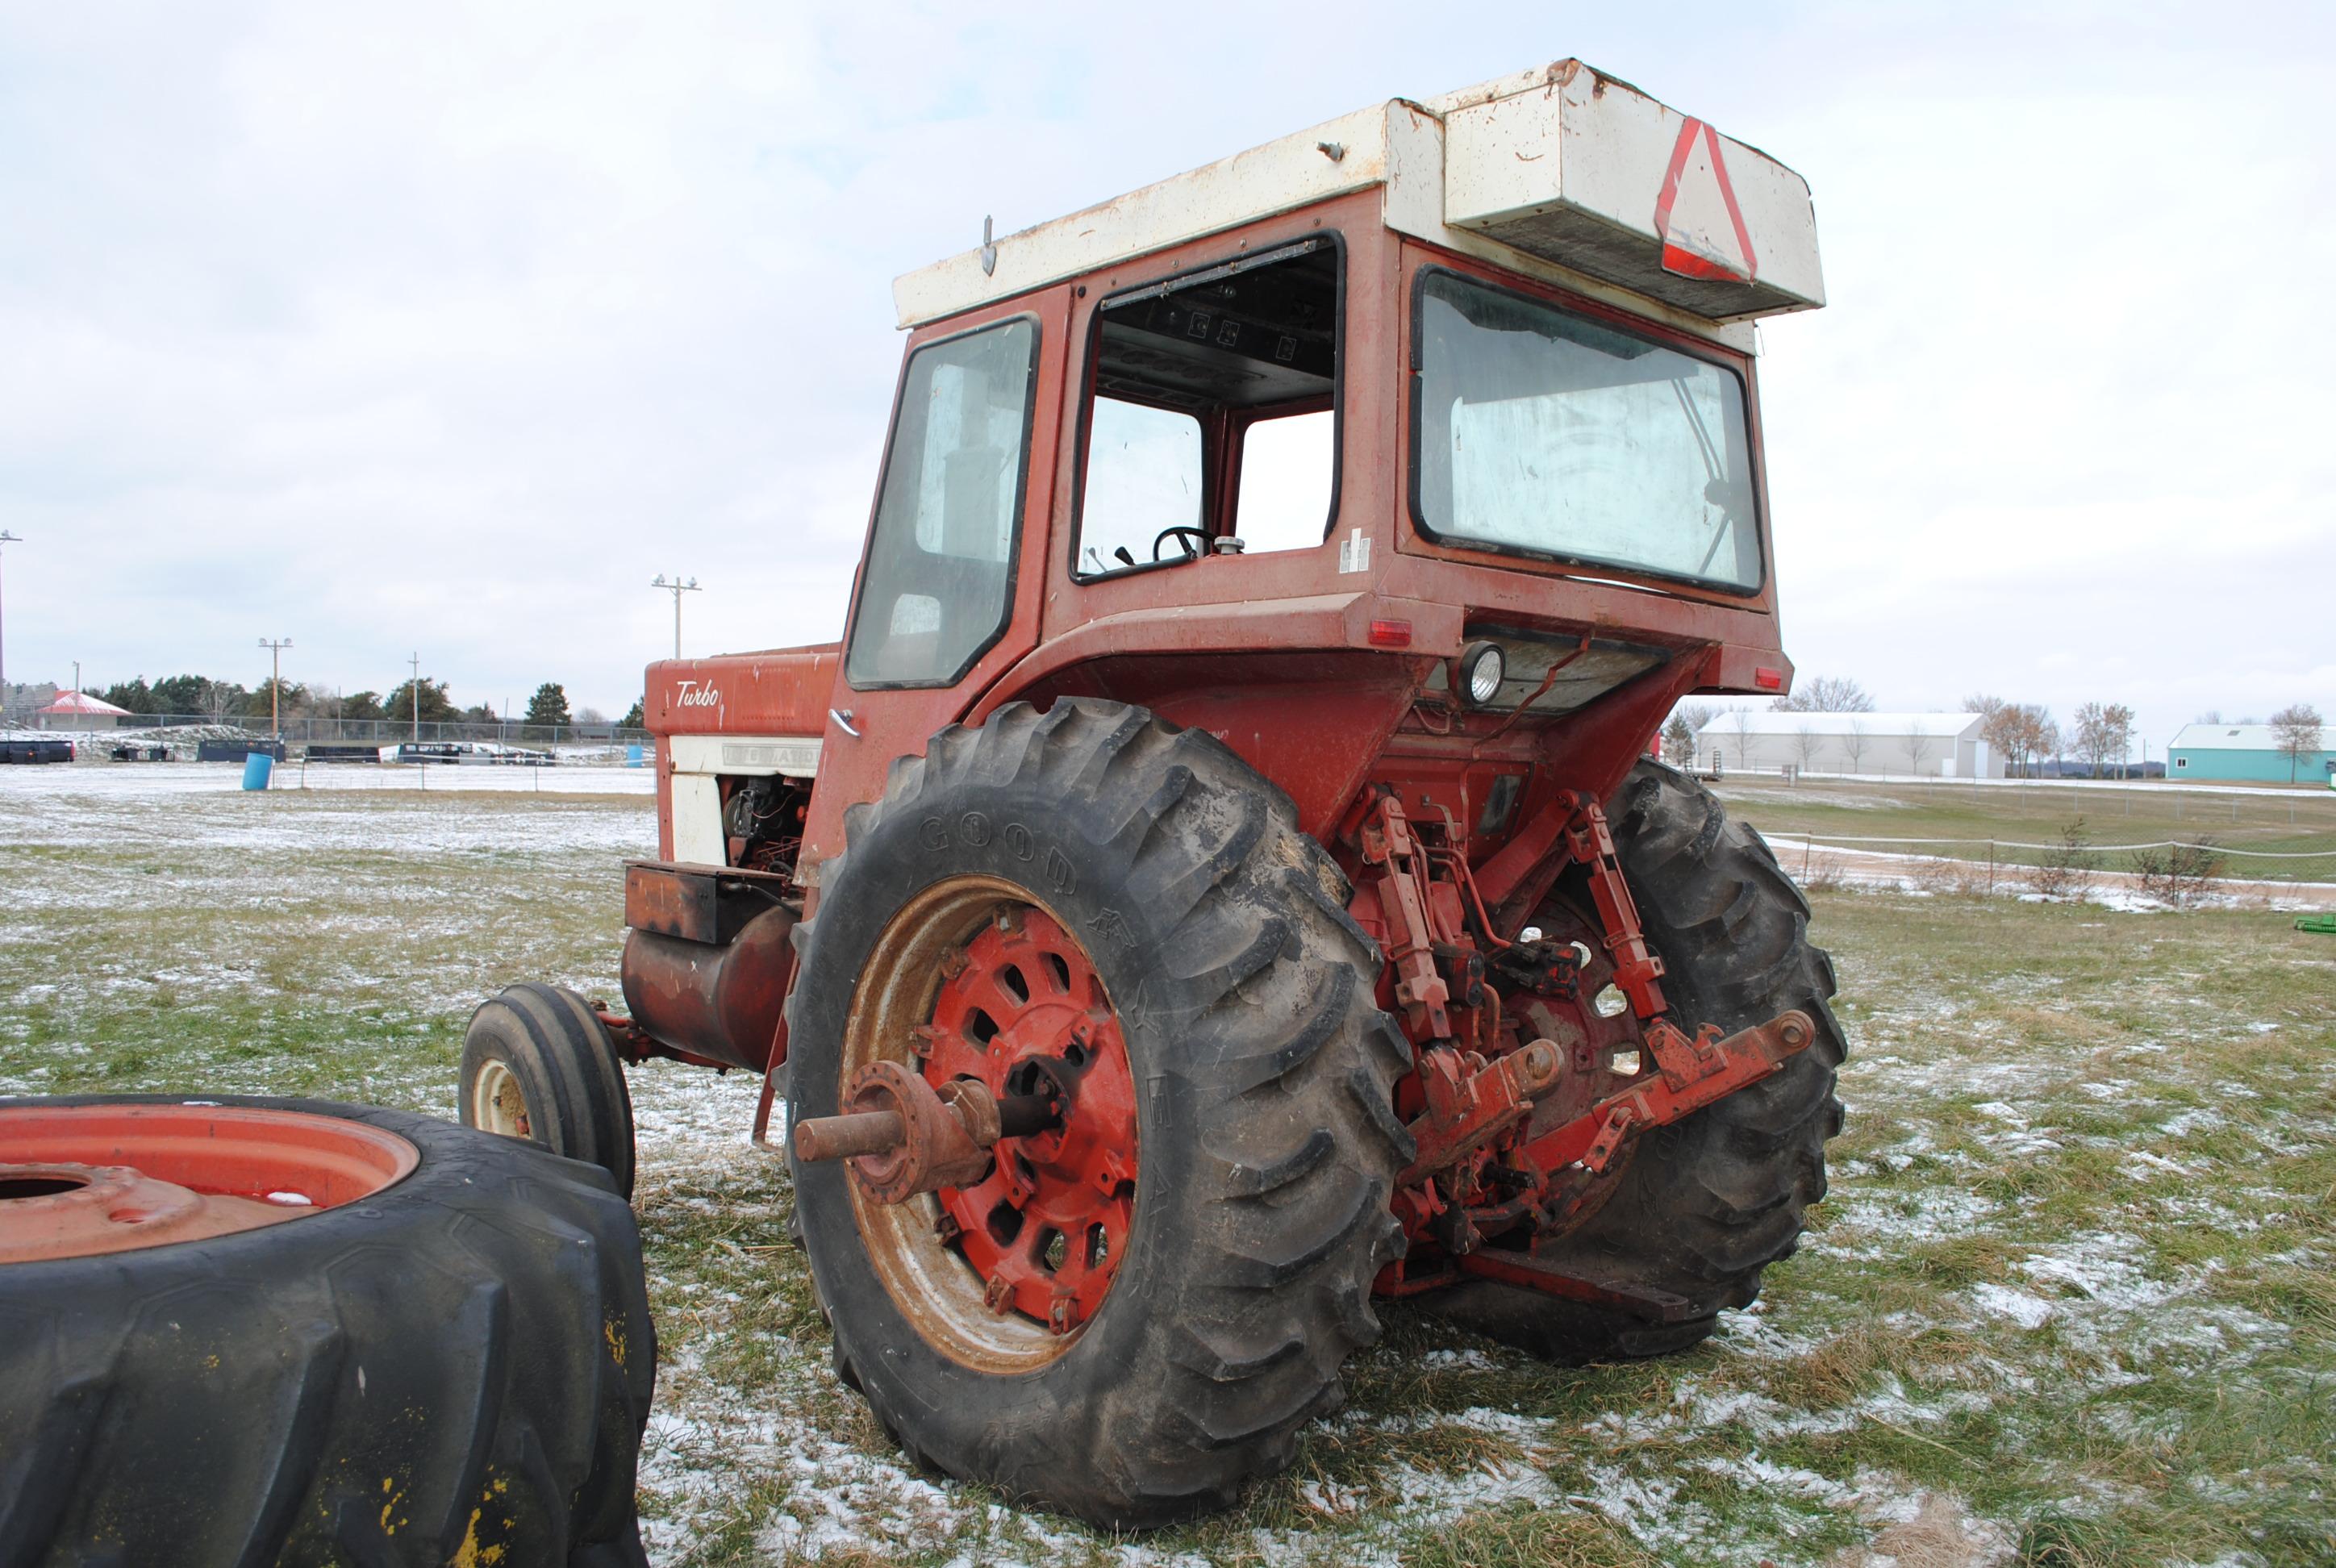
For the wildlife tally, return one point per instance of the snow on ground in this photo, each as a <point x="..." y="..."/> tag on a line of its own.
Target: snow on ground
<point x="752" y="1435"/>
<point x="165" y="805"/>
<point x="157" y="780"/>
<point x="1924" y="876"/>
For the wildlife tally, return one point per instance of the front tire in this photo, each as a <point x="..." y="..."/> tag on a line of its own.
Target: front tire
<point x="1706" y="1203"/>
<point x="537" y="1064"/>
<point x="1237" y="996"/>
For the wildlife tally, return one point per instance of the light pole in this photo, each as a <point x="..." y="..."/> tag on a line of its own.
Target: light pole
<point x="675" y="588"/>
<point x="413" y="689"/>
<point x="5" y="538"/>
<point x="276" y="683"/>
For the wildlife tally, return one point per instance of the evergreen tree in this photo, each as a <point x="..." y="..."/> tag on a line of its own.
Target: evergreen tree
<point x="181" y="695"/>
<point x="436" y="707"/>
<point x="292" y="699"/>
<point x="134" y="696"/>
<point x="549" y="706"/>
<point x="633" y="718"/>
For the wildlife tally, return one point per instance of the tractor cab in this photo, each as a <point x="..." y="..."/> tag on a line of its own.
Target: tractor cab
<point x="1285" y="437"/>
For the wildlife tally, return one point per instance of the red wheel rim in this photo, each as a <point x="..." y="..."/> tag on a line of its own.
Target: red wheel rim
<point x="999" y="1300"/>
<point x="84" y="1180"/>
<point x="1022" y="1009"/>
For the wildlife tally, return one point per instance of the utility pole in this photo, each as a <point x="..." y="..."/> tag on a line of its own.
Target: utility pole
<point x="276" y="683"/>
<point x="675" y="588"/>
<point x="413" y="687"/>
<point x="5" y="538"/>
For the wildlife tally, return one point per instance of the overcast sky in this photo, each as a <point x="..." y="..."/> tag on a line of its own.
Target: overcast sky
<point x="446" y="327"/>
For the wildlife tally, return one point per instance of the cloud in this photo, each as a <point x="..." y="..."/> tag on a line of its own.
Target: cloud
<point x="446" y="327"/>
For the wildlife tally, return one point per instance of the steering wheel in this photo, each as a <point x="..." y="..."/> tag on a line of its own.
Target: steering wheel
<point x="1166" y="534"/>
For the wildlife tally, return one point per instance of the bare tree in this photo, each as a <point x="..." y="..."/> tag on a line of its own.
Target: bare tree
<point x="2023" y="732"/>
<point x="1917" y="744"/>
<point x="2103" y="734"/>
<point x="1807" y="741"/>
<point x="1855" y="743"/>
<point x="2117" y="734"/>
<point x="2212" y="716"/>
<point x="2297" y="729"/>
<point x="2001" y="724"/>
<point x="1683" y="732"/>
<point x="1825" y="694"/>
<point x="1740" y="720"/>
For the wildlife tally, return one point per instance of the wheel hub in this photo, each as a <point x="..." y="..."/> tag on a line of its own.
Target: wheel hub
<point x="1023" y="1011"/>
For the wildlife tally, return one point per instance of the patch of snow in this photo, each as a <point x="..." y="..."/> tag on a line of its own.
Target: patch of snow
<point x="2028" y="1311"/>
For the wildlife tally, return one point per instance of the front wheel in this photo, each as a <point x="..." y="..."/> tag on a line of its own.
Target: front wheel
<point x="538" y="1065"/>
<point x="1130" y="1314"/>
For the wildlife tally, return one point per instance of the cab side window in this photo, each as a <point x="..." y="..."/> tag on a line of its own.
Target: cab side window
<point x="939" y="581"/>
<point x="1211" y="420"/>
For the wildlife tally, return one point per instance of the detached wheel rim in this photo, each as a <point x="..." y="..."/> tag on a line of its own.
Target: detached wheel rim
<point x="84" y="1180"/>
<point x="498" y="1103"/>
<point x="973" y="979"/>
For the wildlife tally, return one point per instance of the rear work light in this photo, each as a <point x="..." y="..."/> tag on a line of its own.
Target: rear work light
<point x="1481" y="668"/>
<point x="1390" y="634"/>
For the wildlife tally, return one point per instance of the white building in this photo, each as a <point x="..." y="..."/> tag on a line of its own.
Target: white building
<point x="1926" y="744"/>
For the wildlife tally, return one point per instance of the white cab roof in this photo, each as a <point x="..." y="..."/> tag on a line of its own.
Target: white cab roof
<point x="1561" y="171"/>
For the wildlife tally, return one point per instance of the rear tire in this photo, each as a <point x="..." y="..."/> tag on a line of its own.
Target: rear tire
<point x="537" y="1064"/>
<point x="1266" y="1142"/>
<point x="1705" y="1203"/>
<point x="455" y="1366"/>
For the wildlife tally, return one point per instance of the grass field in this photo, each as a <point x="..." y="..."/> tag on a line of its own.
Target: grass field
<point x="2070" y="1301"/>
<point x="1838" y="812"/>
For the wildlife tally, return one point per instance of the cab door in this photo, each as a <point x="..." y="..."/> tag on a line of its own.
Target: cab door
<point x="948" y="592"/>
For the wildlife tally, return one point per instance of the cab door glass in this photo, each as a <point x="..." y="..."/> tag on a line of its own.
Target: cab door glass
<point x="940" y="578"/>
<point x="1286" y="469"/>
<point x="1144" y="479"/>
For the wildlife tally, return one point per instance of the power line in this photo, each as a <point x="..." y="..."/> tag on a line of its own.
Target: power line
<point x="675" y="588"/>
<point x="276" y="647"/>
<point x="5" y="538"/>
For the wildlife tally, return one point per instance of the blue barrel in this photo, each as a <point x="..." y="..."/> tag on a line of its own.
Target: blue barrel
<point x="633" y="757"/>
<point x="257" y="767"/>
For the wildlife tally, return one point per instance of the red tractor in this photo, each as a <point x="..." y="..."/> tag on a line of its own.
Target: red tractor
<point x="1218" y="880"/>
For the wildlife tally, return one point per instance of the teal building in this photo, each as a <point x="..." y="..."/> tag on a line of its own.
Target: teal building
<point x="2241" y="754"/>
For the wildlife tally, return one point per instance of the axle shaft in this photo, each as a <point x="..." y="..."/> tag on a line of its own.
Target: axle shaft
<point x="905" y="1136"/>
<point x="841" y="1137"/>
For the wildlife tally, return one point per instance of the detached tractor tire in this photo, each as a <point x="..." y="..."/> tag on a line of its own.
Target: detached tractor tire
<point x="443" y="1356"/>
<point x="537" y="1064"/>
<point x="1128" y="1319"/>
<point x="1706" y="1203"/>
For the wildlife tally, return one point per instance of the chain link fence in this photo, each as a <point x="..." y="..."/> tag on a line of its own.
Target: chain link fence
<point x="305" y="731"/>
